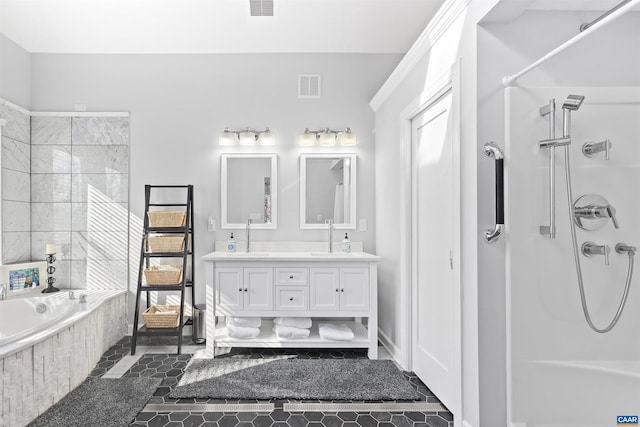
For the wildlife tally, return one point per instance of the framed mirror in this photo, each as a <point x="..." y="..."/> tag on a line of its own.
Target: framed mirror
<point x="328" y="190"/>
<point x="249" y="190"/>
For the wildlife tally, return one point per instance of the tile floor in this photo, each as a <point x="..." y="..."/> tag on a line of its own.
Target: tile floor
<point x="154" y="359"/>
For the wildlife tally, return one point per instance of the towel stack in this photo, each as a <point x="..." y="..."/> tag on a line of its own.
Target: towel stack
<point x="243" y="327"/>
<point x="292" y="327"/>
<point x="335" y="332"/>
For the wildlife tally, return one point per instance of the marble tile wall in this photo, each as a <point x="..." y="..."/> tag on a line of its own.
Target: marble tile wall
<point x="15" y="169"/>
<point x="79" y="198"/>
<point x="35" y="378"/>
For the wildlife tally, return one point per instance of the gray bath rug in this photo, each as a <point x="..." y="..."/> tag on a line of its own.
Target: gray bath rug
<point x="288" y="378"/>
<point x="104" y="402"/>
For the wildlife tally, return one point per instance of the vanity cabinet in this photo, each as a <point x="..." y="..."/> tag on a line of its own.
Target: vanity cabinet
<point x="249" y="289"/>
<point x="293" y="285"/>
<point x="339" y="288"/>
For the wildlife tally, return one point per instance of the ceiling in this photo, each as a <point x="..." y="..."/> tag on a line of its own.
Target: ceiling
<point x="214" y="26"/>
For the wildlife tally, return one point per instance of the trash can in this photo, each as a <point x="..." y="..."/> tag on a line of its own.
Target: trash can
<point x="200" y="323"/>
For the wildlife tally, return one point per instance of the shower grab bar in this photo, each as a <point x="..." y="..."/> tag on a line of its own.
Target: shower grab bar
<point x="491" y="149"/>
<point x="551" y="143"/>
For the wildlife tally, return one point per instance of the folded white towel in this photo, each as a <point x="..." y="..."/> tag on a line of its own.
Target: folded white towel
<point x="289" y="332"/>
<point x="335" y="332"/>
<point x="242" y="332"/>
<point x="247" y="322"/>
<point x="295" y="322"/>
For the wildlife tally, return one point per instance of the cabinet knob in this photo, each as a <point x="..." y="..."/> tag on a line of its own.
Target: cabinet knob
<point x="245" y="289"/>
<point x="341" y="290"/>
<point x="240" y="290"/>
<point x="291" y="277"/>
<point x="291" y="299"/>
<point x="337" y="290"/>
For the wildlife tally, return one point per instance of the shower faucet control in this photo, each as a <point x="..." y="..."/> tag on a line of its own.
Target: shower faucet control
<point x="591" y="148"/>
<point x="589" y="249"/>
<point x="623" y="248"/>
<point x="591" y="212"/>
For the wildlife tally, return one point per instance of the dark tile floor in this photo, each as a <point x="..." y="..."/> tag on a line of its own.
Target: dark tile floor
<point x="170" y="368"/>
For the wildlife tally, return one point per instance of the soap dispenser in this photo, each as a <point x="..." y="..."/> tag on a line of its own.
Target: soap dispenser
<point x="346" y="243"/>
<point x="231" y="244"/>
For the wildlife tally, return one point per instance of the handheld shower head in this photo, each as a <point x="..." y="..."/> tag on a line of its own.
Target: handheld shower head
<point x="573" y="102"/>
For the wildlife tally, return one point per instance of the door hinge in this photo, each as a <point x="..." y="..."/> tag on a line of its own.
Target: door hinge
<point x="451" y="258"/>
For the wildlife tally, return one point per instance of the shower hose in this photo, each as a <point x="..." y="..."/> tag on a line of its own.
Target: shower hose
<point x="576" y="256"/>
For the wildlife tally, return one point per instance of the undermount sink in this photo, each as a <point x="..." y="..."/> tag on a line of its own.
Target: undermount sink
<point x="248" y="254"/>
<point x="330" y="254"/>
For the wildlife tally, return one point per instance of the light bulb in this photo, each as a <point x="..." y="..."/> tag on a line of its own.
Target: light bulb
<point x="227" y="138"/>
<point x="327" y="139"/>
<point x="347" y="138"/>
<point x="247" y="138"/>
<point x="267" y="138"/>
<point x="307" y="139"/>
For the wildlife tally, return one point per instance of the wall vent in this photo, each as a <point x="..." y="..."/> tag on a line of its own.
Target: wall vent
<point x="309" y="86"/>
<point x="261" y="7"/>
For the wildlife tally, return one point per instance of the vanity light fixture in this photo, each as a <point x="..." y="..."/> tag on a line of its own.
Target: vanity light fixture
<point x="327" y="137"/>
<point x="247" y="137"/>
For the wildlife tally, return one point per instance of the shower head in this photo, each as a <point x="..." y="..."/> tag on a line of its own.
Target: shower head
<point x="573" y="102"/>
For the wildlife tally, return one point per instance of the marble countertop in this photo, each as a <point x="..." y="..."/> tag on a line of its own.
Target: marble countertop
<point x="289" y="256"/>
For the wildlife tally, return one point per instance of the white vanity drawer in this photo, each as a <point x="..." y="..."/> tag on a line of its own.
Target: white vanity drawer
<point x="292" y="297"/>
<point x="292" y="276"/>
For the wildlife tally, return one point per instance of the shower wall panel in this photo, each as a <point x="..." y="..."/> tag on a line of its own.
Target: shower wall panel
<point x="543" y="302"/>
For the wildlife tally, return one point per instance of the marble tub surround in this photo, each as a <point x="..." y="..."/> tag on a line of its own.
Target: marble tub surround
<point x="15" y="169"/>
<point x="28" y="385"/>
<point x="80" y="173"/>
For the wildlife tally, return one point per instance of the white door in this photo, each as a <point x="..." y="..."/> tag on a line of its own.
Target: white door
<point x="435" y="297"/>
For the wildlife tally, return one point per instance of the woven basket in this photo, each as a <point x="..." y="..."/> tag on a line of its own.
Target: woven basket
<point x="156" y="316"/>
<point x="159" y="276"/>
<point x="167" y="218"/>
<point x="166" y="244"/>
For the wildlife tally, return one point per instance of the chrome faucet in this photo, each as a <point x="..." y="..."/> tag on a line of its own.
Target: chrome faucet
<point x="329" y="223"/>
<point x="3" y="291"/>
<point x="597" y="211"/>
<point x="589" y="249"/>
<point x="248" y="233"/>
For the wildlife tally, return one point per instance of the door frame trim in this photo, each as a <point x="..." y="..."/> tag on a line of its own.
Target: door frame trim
<point x="449" y="81"/>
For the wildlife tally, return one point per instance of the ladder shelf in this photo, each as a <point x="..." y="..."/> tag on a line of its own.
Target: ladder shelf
<point x="146" y="256"/>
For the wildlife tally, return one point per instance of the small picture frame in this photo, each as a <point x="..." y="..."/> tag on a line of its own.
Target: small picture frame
<point x="25" y="277"/>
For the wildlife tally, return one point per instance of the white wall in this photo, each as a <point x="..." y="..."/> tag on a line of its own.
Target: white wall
<point x="457" y="43"/>
<point x="15" y="73"/>
<point x="180" y="103"/>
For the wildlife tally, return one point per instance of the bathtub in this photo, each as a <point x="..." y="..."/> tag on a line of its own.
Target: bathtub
<point x="577" y="393"/>
<point x="34" y="314"/>
<point x="45" y="355"/>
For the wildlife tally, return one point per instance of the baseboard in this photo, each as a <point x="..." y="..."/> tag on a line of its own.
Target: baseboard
<point x="393" y="350"/>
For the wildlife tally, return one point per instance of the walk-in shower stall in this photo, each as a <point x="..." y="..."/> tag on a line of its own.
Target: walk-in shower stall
<point x="574" y="309"/>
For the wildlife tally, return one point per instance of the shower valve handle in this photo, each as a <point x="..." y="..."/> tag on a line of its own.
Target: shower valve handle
<point x="597" y="211"/>
<point x="611" y="211"/>
<point x="589" y="249"/>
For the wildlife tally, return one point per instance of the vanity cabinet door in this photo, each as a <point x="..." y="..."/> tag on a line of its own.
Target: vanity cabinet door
<point x="354" y="288"/>
<point x="258" y="289"/>
<point x="229" y="288"/>
<point x="324" y="288"/>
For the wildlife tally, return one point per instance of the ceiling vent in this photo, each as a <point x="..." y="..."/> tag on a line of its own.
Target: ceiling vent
<point x="309" y="86"/>
<point x="261" y="7"/>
